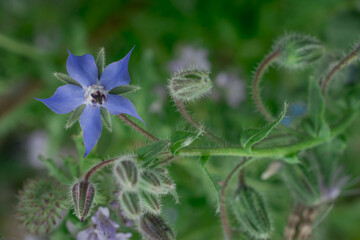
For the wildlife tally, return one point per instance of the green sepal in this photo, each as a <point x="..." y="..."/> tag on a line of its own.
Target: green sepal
<point x="75" y="116"/>
<point x="55" y="171"/>
<point x="149" y="152"/>
<point x="182" y="139"/>
<point x="124" y="89"/>
<point x="319" y="127"/>
<point x="66" y="78"/>
<point x="252" y="136"/>
<point x="106" y="118"/>
<point x="100" y="61"/>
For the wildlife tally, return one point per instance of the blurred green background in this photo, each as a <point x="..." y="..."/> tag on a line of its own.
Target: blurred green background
<point x="230" y="37"/>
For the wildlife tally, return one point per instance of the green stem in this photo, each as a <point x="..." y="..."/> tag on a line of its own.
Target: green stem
<point x="20" y="48"/>
<point x="138" y="128"/>
<point x="276" y="152"/>
<point x="196" y="125"/>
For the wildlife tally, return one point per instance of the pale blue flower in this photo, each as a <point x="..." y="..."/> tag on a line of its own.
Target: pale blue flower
<point x="93" y="92"/>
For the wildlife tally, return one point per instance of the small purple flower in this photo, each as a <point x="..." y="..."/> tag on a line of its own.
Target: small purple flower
<point x="103" y="229"/>
<point x="93" y="92"/>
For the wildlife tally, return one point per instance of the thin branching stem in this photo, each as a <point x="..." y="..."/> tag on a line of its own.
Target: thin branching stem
<point x="223" y="214"/>
<point x="138" y="128"/>
<point x="277" y="152"/>
<point x="341" y="64"/>
<point x="180" y="106"/>
<point x="264" y="65"/>
<point x="97" y="167"/>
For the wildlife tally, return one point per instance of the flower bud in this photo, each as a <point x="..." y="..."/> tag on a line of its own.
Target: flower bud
<point x="297" y="51"/>
<point x="130" y="203"/>
<point x="189" y="84"/>
<point x="250" y="212"/>
<point x="150" y="202"/>
<point x="156" y="181"/>
<point x="154" y="228"/>
<point x="83" y="193"/>
<point x="42" y="206"/>
<point x="126" y="174"/>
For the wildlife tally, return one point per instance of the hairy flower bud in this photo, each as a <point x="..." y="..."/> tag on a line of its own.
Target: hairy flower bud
<point x="150" y="202"/>
<point x="154" y="228"/>
<point x="126" y="173"/>
<point x="250" y="212"/>
<point x="297" y="51"/>
<point x="155" y="181"/>
<point x="42" y="206"/>
<point x="189" y="84"/>
<point x="130" y="203"/>
<point x="83" y="193"/>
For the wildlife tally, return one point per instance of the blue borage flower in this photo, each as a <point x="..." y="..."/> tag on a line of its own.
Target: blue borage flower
<point x="93" y="92"/>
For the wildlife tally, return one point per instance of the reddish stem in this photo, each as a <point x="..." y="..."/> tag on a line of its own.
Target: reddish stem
<point x="97" y="167"/>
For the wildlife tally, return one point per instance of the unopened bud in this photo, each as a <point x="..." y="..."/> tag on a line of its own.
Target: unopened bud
<point x="130" y="203"/>
<point x="154" y="228"/>
<point x="83" y="193"/>
<point x="298" y="51"/>
<point x="250" y="212"/>
<point x="126" y="173"/>
<point x="190" y="84"/>
<point x="150" y="202"/>
<point x="155" y="181"/>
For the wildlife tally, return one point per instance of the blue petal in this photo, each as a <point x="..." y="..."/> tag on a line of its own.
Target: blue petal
<point x="65" y="99"/>
<point x="116" y="74"/>
<point x="116" y="104"/>
<point x="90" y="122"/>
<point x="83" y="69"/>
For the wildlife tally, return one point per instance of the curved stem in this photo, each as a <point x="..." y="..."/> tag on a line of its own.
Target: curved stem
<point x="21" y="49"/>
<point x="270" y="152"/>
<point x="196" y="125"/>
<point x="138" y="128"/>
<point x="97" y="167"/>
<point x="264" y="65"/>
<point x="343" y="63"/>
<point x="223" y="214"/>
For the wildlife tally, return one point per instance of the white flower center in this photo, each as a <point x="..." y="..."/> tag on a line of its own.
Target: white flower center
<point x="95" y="95"/>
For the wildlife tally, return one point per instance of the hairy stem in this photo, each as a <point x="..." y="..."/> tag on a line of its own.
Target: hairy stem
<point x="341" y="64"/>
<point x="196" y="125"/>
<point x="223" y="214"/>
<point x="97" y="167"/>
<point x="138" y="128"/>
<point x="264" y="65"/>
<point x="276" y="152"/>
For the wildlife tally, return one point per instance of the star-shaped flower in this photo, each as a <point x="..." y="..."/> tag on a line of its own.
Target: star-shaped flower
<point x="90" y="92"/>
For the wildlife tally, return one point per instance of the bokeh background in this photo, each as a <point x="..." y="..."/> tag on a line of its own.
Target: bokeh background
<point x="228" y="37"/>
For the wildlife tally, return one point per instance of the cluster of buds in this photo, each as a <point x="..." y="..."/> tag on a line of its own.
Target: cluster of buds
<point x="140" y="188"/>
<point x="250" y="212"/>
<point x="42" y="206"/>
<point x="189" y="84"/>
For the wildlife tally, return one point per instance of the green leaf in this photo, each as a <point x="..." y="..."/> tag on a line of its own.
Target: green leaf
<point x="75" y="116"/>
<point x="55" y="171"/>
<point x="203" y="160"/>
<point x="66" y="78"/>
<point x="291" y="159"/>
<point x="149" y="152"/>
<point x="124" y="89"/>
<point x="72" y="166"/>
<point x="100" y="61"/>
<point x="106" y="117"/>
<point x="182" y="139"/>
<point x="317" y="111"/>
<point x="252" y="136"/>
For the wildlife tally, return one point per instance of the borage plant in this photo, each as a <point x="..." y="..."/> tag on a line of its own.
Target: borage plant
<point x="128" y="195"/>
